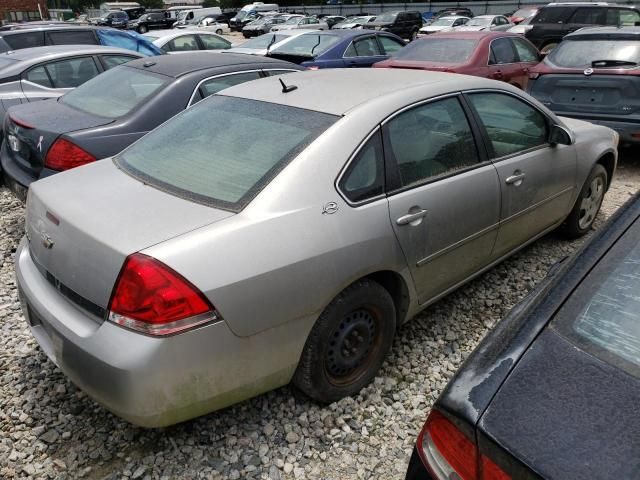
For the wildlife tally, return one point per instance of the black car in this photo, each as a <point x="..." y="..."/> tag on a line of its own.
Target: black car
<point x="553" y="391"/>
<point x="333" y="19"/>
<point x="115" y="19"/>
<point x="554" y="21"/>
<point x="151" y="21"/>
<point x="75" y="35"/>
<point x="111" y="111"/>
<point x="402" y="24"/>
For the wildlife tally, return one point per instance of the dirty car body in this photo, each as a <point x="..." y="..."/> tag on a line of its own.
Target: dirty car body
<point x="320" y="209"/>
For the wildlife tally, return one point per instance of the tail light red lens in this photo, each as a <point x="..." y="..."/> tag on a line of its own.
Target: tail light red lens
<point x="449" y="454"/>
<point x="65" y="155"/>
<point x="152" y="298"/>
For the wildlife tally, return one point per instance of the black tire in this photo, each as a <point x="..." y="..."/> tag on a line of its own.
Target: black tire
<point x="348" y="343"/>
<point x="414" y="35"/>
<point x="142" y="29"/>
<point x="581" y="219"/>
<point x="219" y="31"/>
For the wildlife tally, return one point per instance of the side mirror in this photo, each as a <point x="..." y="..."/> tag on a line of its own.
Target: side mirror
<point x="559" y="136"/>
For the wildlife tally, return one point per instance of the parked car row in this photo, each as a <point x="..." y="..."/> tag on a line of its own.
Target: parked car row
<point x="426" y="177"/>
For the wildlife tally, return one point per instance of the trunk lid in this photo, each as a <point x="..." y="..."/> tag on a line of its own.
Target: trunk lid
<point x="35" y="126"/>
<point x="420" y="65"/>
<point x="83" y="224"/>
<point x="592" y="94"/>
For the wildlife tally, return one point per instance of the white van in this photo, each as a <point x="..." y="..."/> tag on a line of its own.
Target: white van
<point x="186" y="15"/>
<point x="248" y="13"/>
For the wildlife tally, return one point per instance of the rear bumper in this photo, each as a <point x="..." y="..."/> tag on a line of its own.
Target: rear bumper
<point x="416" y="469"/>
<point x="626" y="130"/>
<point x="16" y="178"/>
<point x="150" y="381"/>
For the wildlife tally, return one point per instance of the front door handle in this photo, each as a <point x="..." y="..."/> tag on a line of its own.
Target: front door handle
<point x="411" y="217"/>
<point x="515" y="179"/>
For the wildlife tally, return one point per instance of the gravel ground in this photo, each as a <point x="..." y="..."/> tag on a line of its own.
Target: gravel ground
<point x="50" y="429"/>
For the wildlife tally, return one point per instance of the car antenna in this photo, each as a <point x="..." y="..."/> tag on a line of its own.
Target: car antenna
<point x="287" y="88"/>
<point x="273" y="40"/>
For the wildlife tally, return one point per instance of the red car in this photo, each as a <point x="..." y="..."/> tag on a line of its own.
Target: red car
<point x="498" y="55"/>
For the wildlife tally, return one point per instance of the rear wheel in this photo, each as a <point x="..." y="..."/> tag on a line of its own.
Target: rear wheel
<point x="588" y="204"/>
<point x="219" y="31"/>
<point x="142" y="29"/>
<point x="414" y="35"/>
<point x="348" y="343"/>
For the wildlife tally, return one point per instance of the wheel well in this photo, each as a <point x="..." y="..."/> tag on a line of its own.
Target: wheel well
<point x="608" y="161"/>
<point x="397" y="288"/>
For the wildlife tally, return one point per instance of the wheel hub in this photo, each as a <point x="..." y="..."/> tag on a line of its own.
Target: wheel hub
<point x="351" y="343"/>
<point x="591" y="203"/>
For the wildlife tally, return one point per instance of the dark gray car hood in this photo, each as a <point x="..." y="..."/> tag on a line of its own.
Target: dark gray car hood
<point x="567" y="414"/>
<point x="96" y="216"/>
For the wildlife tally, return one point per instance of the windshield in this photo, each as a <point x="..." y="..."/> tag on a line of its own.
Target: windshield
<point x="443" y="22"/>
<point x="580" y="53"/>
<point x="438" y="50"/>
<point x="253" y="142"/>
<point x="603" y="314"/>
<point x="182" y="14"/>
<point x="241" y="14"/>
<point x="308" y="45"/>
<point x="479" y="22"/>
<point x="293" y="21"/>
<point x="263" y="41"/>
<point x="114" y="93"/>
<point x="387" y="17"/>
<point x="5" y="62"/>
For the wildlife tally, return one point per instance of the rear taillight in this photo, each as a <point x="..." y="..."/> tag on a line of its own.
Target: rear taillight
<point x="449" y="454"/>
<point x="64" y="155"/>
<point x="313" y="67"/>
<point x="152" y="298"/>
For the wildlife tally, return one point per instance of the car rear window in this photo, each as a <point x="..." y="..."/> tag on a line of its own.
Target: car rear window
<point x="438" y="50"/>
<point x="5" y="62"/>
<point x="224" y="150"/>
<point x="603" y="315"/>
<point x="580" y="53"/>
<point x="263" y="41"/>
<point x="116" y="92"/>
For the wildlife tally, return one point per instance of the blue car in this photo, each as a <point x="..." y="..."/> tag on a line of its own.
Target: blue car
<point x="338" y="48"/>
<point x="75" y="35"/>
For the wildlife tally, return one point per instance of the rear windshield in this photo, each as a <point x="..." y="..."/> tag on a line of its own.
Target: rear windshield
<point x="5" y="62"/>
<point x="438" y="50"/>
<point x="263" y="41"/>
<point x="308" y="45"/>
<point x="114" y="93"/>
<point x="580" y="53"/>
<point x="479" y="21"/>
<point x="224" y="150"/>
<point x="603" y="315"/>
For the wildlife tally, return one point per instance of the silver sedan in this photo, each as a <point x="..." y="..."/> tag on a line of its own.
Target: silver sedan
<point x="284" y="229"/>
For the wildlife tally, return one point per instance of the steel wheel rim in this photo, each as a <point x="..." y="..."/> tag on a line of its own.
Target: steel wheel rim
<point x="591" y="202"/>
<point x="353" y="346"/>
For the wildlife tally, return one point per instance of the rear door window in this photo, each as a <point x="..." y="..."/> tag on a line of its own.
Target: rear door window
<point x="25" y="40"/>
<point x="389" y="45"/>
<point x="253" y="142"/>
<point x="602" y="316"/>
<point x="183" y="43"/>
<point x="502" y="52"/>
<point x="71" y="38"/>
<point x="365" y="47"/>
<point x="526" y="52"/>
<point x="589" y="16"/>
<point x="211" y="42"/>
<point x="214" y="85"/>
<point x="64" y="74"/>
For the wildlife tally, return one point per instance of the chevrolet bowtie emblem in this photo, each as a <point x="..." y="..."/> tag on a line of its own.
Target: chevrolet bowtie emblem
<point x="46" y="240"/>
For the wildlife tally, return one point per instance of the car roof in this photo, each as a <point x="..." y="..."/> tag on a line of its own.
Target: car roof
<point x="47" y="28"/>
<point x="337" y="91"/>
<point x="608" y="31"/>
<point x="188" y="62"/>
<point x="473" y="35"/>
<point x="341" y="33"/>
<point x="54" y="51"/>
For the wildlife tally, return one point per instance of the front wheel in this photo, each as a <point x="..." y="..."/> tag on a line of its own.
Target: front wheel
<point x="348" y="343"/>
<point x="142" y="29"/>
<point x="587" y="205"/>
<point x="219" y="31"/>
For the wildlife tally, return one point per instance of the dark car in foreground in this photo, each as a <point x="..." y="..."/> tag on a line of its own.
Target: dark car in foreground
<point x="338" y="48"/>
<point x="552" y="22"/>
<point x="553" y="391"/>
<point x="76" y="35"/>
<point x="594" y="75"/>
<point x="110" y="112"/>
<point x="402" y="24"/>
<point x="497" y="55"/>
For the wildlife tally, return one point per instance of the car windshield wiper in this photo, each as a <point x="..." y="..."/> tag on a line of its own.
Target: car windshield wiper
<point x="612" y="63"/>
<point x="316" y="45"/>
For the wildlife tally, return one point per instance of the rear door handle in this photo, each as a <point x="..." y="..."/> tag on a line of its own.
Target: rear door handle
<point x="515" y="179"/>
<point x="411" y="217"/>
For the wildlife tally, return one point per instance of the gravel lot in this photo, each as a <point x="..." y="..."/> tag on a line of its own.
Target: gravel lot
<point x="50" y="429"/>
